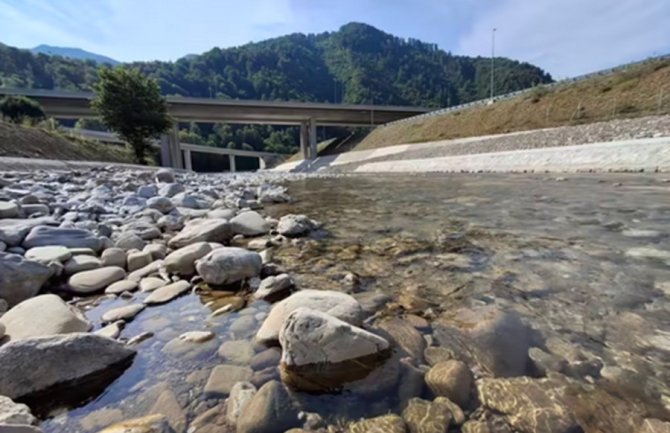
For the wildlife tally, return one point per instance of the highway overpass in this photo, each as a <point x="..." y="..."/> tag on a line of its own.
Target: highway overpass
<point x="308" y="115"/>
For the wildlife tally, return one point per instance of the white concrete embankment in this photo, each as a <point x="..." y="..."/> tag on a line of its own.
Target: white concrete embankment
<point x="647" y="154"/>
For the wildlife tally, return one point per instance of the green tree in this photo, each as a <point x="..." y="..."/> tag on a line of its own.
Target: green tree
<point x="131" y="105"/>
<point x="19" y="108"/>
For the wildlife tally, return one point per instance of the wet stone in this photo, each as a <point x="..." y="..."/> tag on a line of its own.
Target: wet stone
<point x="422" y="416"/>
<point x="451" y="379"/>
<point x="224" y="377"/>
<point x="381" y="424"/>
<point x="238" y="352"/>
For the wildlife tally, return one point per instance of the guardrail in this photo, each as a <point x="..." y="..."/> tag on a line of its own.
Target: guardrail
<point x="514" y="94"/>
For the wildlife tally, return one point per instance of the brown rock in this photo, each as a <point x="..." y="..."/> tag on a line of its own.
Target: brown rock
<point x="451" y="379"/>
<point x="382" y="424"/>
<point x="406" y="336"/>
<point x="422" y="416"/>
<point x="529" y="405"/>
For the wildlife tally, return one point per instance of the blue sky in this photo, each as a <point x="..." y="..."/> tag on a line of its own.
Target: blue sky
<point x="566" y="37"/>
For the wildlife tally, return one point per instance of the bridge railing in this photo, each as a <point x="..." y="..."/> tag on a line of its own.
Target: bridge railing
<point x="481" y="102"/>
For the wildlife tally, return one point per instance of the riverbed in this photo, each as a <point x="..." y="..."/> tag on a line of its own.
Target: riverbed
<point x="584" y="260"/>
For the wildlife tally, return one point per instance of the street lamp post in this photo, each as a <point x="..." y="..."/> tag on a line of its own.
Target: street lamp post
<point x="493" y="55"/>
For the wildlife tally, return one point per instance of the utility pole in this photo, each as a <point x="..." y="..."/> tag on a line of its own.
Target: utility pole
<point x="493" y="61"/>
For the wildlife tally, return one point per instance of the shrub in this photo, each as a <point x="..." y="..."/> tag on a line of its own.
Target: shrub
<point x="19" y="108"/>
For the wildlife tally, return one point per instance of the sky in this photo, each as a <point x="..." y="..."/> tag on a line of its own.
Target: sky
<point x="565" y="37"/>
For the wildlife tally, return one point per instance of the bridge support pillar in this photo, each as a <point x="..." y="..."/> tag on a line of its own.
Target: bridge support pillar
<point x="188" y="162"/>
<point x="308" y="139"/>
<point x="176" y="160"/>
<point x="231" y="163"/>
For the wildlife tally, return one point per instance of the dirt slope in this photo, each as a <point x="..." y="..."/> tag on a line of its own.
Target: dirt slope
<point x="28" y="142"/>
<point x="641" y="90"/>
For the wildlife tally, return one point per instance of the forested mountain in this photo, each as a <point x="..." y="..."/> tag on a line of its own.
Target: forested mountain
<point x="74" y="53"/>
<point x="356" y="64"/>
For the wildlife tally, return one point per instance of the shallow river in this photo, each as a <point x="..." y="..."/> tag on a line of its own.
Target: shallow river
<point x="585" y="261"/>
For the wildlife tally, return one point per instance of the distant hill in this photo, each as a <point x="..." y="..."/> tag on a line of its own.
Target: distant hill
<point x="73" y="53"/>
<point x="356" y="64"/>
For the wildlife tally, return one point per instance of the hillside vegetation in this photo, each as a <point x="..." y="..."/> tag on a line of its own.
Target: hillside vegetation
<point x="30" y="142"/>
<point x="356" y="64"/>
<point x="640" y="90"/>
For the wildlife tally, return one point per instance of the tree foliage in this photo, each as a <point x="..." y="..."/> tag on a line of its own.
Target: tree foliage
<point x="356" y="64"/>
<point x="19" y="108"/>
<point x="131" y="105"/>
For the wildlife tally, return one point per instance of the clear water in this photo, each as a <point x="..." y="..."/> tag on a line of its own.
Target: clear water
<point x="553" y="251"/>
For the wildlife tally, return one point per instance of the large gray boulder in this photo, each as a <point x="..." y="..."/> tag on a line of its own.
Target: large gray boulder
<point x="40" y="363"/>
<point x="249" y="223"/>
<point x="20" y="279"/>
<point x="312" y="337"/>
<point x="271" y="410"/>
<point x="322" y="353"/>
<point x="72" y="238"/>
<point x="486" y="338"/>
<point x="182" y="261"/>
<point x="202" y="230"/>
<point x="13" y="231"/>
<point x="228" y="265"/>
<point x="43" y="315"/>
<point x="337" y="304"/>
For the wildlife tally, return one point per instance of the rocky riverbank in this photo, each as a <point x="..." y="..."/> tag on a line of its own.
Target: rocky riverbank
<point x="159" y="302"/>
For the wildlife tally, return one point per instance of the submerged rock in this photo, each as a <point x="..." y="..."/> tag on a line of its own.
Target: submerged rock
<point x="424" y="416"/>
<point x="529" y="405"/>
<point x="487" y="338"/>
<point x="228" y="265"/>
<point x="382" y="424"/>
<point x="156" y="423"/>
<point x="451" y="379"/>
<point x="224" y="377"/>
<point x="39" y="363"/>
<point x="271" y="410"/>
<point x="336" y="304"/>
<point x="43" y="315"/>
<point x="20" y="279"/>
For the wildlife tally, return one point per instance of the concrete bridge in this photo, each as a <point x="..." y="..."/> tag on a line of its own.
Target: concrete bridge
<point x="187" y="149"/>
<point x="308" y="115"/>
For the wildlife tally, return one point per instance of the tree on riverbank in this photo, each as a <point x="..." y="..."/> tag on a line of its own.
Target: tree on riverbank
<point x="131" y="105"/>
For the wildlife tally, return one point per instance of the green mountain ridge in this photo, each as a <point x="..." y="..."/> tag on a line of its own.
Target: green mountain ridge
<point x="356" y="64"/>
<point x="73" y="53"/>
